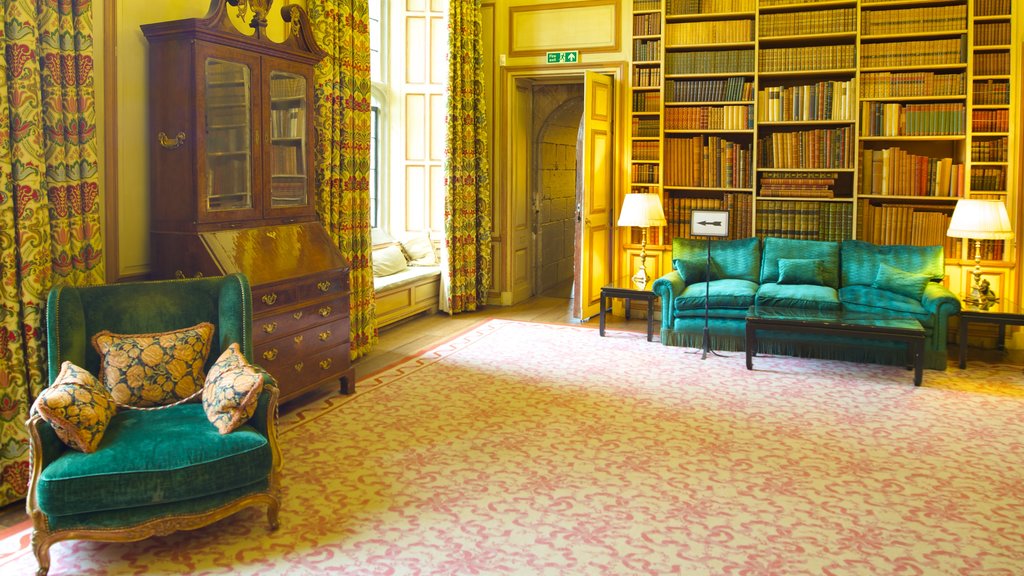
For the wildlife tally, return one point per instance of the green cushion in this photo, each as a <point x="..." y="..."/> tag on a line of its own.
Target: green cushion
<point x="860" y="261"/>
<point x="739" y="259"/>
<point x="801" y="271"/>
<point x="727" y="293"/>
<point x="887" y="304"/>
<point x="154" y="457"/>
<point x="776" y="249"/>
<point x="797" y="296"/>
<point x="900" y="282"/>
<point x="695" y="269"/>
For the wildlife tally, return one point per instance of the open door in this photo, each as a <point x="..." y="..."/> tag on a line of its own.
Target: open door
<point x="595" y="196"/>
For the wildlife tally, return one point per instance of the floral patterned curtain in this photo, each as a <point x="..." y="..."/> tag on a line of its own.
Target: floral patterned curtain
<point x="49" y="209"/>
<point x="342" y="94"/>
<point x="467" y="207"/>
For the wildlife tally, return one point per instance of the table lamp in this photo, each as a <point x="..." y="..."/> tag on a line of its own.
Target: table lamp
<point x="642" y="209"/>
<point x="980" y="220"/>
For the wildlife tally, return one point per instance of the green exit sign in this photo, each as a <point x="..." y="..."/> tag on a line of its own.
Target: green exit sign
<point x="564" y="56"/>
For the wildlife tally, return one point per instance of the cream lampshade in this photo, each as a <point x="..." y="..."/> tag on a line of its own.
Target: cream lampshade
<point x="644" y="210"/>
<point x="980" y="220"/>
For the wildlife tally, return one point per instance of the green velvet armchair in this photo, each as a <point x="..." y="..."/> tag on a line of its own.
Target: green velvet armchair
<point x="160" y="471"/>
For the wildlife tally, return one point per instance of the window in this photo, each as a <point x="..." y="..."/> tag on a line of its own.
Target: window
<point x="378" y="117"/>
<point x="374" y="163"/>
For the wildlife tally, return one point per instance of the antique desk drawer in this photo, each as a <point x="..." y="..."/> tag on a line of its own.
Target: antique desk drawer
<point x="302" y="344"/>
<point x="274" y="325"/>
<point x="281" y="296"/>
<point x="297" y="374"/>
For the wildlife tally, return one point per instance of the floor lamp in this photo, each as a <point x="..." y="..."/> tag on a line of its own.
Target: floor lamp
<point x="980" y="220"/>
<point x="641" y="209"/>
<point x="710" y="224"/>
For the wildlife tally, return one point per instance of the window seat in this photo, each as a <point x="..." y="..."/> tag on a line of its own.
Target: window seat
<point x="407" y="293"/>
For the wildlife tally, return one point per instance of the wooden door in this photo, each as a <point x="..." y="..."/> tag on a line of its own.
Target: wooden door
<point x="596" y="205"/>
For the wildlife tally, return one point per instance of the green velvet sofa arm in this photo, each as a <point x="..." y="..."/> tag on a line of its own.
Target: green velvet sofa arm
<point x="264" y="419"/>
<point x="940" y="301"/>
<point x="667" y="288"/>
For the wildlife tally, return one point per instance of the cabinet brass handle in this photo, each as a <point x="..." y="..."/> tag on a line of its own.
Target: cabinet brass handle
<point x="269" y="328"/>
<point x="269" y="299"/>
<point x="180" y="275"/>
<point x="298" y="339"/>
<point x="324" y="286"/>
<point x="325" y="335"/>
<point x="270" y="354"/>
<point x="298" y="366"/>
<point x="325" y="364"/>
<point x="297" y="315"/>
<point x="324" y="311"/>
<point x="170" y="143"/>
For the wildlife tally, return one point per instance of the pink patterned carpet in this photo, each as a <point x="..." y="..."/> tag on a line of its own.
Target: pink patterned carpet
<point x="522" y="448"/>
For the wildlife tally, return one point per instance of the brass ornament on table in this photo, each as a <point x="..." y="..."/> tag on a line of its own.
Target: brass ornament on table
<point x="259" y="8"/>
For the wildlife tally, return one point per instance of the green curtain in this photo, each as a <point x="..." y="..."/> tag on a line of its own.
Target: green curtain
<point x="49" y="205"/>
<point x="467" y="203"/>
<point x="342" y="94"/>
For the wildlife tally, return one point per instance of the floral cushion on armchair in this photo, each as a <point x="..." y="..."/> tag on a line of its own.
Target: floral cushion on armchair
<point x="77" y="407"/>
<point x="232" y="390"/>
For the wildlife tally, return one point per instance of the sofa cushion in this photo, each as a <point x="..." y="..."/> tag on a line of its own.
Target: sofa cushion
<point x="231" y="391"/>
<point x="695" y="269"/>
<point x="144" y="370"/>
<point x="804" y="296"/>
<point x="388" y="260"/>
<point x="888" y="303"/>
<point x="776" y="249"/>
<point x="901" y="282"/>
<point x="860" y="261"/>
<point x="419" y="250"/>
<point x="801" y="271"/>
<point x="727" y="293"/>
<point x="154" y="457"/>
<point x="739" y="259"/>
<point x="77" y="407"/>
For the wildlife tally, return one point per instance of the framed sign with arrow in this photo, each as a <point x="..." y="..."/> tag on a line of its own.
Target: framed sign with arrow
<point x="709" y="223"/>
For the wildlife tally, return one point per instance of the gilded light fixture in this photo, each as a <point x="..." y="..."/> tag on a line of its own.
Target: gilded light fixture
<point x="980" y="220"/>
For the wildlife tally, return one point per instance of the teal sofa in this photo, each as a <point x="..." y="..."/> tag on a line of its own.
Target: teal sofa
<point x="804" y="274"/>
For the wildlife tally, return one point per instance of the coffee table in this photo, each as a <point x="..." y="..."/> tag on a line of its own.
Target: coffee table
<point x="1001" y="313"/>
<point x="625" y="288"/>
<point x="838" y="322"/>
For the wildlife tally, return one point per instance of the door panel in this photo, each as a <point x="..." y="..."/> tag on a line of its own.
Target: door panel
<point x="595" y="249"/>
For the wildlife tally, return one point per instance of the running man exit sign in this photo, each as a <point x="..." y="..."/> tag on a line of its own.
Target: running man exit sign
<point x="564" y="56"/>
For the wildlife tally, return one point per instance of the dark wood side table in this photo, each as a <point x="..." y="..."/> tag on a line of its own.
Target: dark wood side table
<point x="1001" y="313"/>
<point x="625" y="288"/>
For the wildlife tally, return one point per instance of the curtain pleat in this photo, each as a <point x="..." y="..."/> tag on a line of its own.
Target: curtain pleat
<point x="467" y="186"/>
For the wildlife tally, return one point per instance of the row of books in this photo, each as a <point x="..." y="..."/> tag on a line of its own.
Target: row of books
<point x="914" y="53"/>
<point x="707" y="162"/>
<point x="826" y="100"/>
<point x="989" y="150"/>
<point x="647" y="101"/>
<point x="992" y="92"/>
<point x="287" y="123"/>
<point x="733" y="89"/>
<point x="770" y="3"/>
<point x="917" y="225"/>
<point x="647" y="77"/>
<point x="679" y="210"/>
<point x="646" y="24"/>
<point x="709" y="62"/>
<point x="709" y="32"/>
<point x="904" y="84"/>
<point x="894" y="119"/>
<point x="683" y="7"/>
<point x="992" y="33"/>
<point x="710" y="117"/>
<point x="804" y="23"/>
<point x="991" y="63"/>
<point x="988" y="178"/>
<point x="990" y="120"/>
<point x="897" y="172"/>
<point x="646" y="150"/>
<point x="992" y="7"/>
<point x="639" y="5"/>
<point x="797" y="184"/>
<point x="644" y="174"/>
<point x="831" y="57"/>
<point x="646" y="50"/>
<point x="287" y="160"/>
<point x="828" y="221"/>
<point x="914" y="20"/>
<point x="645" y="128"/>
<point x="803" y="149"/>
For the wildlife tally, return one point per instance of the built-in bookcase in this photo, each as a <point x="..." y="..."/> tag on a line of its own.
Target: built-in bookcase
<point x="828" y="119"/>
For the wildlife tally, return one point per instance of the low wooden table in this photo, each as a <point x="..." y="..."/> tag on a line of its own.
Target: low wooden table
<point x="1001" y="313"/>
<point x="625" y="288"/>
<point x="841" y="323"/>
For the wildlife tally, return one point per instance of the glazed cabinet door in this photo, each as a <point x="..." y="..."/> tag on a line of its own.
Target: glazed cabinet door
<point x="288" y="139"/>
<point x="229" y="126"/>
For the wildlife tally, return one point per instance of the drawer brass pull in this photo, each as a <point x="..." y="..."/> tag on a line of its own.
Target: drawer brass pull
<point x="325" y="311"/>
<point x="269" y="299"/>
<point x="298" y="339"/>
<point x="325" y="335"/>
<point x="325" y="364"/>
<point x="170" y="143"/>
<point x="297" y="315"/>
<point x="298" y="366"/>
<point x="270" y="354"/>
<point x="324" y="286"/>
<point x="269" y="328"/>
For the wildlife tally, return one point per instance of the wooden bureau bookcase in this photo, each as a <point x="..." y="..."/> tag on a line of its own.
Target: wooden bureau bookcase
<point x="232" y="159"/>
